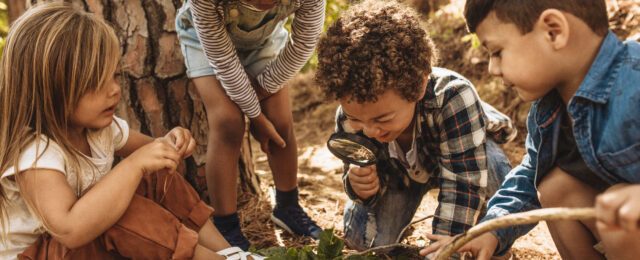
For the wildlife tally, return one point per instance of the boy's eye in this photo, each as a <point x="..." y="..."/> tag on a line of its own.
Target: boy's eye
<point x="496" y="54"/>
<point x="385" y="120"/>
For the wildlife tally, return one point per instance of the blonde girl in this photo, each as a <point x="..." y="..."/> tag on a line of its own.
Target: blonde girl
<point x="61" y="197"/>
<point x="239" y="55"/>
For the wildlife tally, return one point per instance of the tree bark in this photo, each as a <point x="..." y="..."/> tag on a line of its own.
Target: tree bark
<point x="156" y="94"/>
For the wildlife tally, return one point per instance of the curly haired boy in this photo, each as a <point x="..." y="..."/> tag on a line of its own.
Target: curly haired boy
<point x="376" y="60"/>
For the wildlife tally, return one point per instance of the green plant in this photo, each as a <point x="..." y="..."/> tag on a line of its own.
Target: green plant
<point x="329" y="248"/>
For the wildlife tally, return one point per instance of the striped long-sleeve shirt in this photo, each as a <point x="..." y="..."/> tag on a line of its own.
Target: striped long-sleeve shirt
<point x="221" y="53"/>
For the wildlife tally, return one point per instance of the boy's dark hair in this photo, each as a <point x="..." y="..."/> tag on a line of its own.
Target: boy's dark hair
<point x="374" y="47"/>
<point x="525" y="13"/>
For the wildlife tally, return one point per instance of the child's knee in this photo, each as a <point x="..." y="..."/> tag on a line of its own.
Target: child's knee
<point x="558" y="188"/>
<point x="227" y="127"/>
<point x="284" y="128"/>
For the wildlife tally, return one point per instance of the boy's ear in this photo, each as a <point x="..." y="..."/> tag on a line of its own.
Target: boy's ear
<point x="423" y="89"/>
<point x="554" y="24"/>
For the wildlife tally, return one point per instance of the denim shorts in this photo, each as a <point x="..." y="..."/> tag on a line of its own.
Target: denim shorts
<point x="254" y="60"/>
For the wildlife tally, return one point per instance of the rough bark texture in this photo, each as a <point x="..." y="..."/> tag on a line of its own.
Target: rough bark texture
<point x="157" y="95"/>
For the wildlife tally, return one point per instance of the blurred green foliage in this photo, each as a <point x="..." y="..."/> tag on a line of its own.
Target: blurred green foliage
<point x="333" y="11"/>
<point x="4" y="23"/>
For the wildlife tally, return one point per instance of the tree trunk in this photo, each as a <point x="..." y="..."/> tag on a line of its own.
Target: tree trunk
<point x="156" y="94"/>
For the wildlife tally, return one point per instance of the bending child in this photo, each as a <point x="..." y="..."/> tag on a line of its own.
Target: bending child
<point x="583" y="143"/>
<point x="61" y="197"/>
<point x="376" y="60"/>
<point x="239" y="55"/>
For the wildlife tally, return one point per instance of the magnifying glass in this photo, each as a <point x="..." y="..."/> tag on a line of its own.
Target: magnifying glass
<point x="356" y="149"/>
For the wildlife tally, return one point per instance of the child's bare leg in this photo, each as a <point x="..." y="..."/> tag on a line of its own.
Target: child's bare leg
<point x="210" y="237"/>
<point x="226" y="130"/>
<point x="204" y="253"/>
<point x="574" y="239"/>
<point x="619" y="244"/>
<point x="283" y="161"/>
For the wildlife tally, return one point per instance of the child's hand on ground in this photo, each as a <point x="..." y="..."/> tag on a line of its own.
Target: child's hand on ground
<point x="183" y="141"/>
<point x="157" y="155"/>
<point x="619" y="208"/>
<point x="364" y="181"/>
<point x="482" y="247"/>
<point x="264" y="131"/>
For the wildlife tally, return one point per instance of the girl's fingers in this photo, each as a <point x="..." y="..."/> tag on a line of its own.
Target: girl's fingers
<point x="179" y="139"/>
<point x="190" y="148"/>
<point x="277" y="139"/>
<point x="170" y="164"/>
<point x="265" y="147"/>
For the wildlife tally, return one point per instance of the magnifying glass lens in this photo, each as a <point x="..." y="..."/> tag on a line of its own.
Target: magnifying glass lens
<point x="351" y="151"/>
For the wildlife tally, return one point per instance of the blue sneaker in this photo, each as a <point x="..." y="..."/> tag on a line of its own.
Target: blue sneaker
<point x="233" y="235"/>
<point x="294" y="220"/>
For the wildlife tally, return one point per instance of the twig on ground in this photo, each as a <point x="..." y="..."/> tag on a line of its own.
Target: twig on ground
<point x="379" y="249"/>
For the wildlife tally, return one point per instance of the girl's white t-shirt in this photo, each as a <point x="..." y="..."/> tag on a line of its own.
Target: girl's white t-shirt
<point x="24" y="227"/>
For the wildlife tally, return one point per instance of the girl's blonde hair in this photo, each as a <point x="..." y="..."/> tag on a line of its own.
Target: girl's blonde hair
<point x="54" y="54"/>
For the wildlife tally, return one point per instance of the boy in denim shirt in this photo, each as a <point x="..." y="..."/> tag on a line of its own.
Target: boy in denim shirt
<point x="376" y="60"/>
<point x="583" y="147"/>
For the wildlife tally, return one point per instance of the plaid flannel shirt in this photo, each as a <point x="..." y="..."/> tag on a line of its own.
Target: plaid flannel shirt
<point x="453" y="126"/>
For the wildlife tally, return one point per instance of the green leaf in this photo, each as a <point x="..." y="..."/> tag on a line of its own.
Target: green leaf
<point x="330" y="246"/>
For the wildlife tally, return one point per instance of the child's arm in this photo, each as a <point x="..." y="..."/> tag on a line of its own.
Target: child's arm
<point x="462" y="161"/>
<point x="305" y="32"/>
<point x="516" y="194"/>
<point x="221" y="54"/>
<point x="77" y="221"/>
<point x="179" y="136"/>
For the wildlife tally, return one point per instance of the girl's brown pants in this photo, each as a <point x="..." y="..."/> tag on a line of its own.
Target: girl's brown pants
<point x="162" y="222"/>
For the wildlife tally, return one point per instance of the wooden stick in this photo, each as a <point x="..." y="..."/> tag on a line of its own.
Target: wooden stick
<point x="529" y="217"/>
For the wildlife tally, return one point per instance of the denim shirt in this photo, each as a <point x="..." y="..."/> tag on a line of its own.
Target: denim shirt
<point x="605" y="110"/>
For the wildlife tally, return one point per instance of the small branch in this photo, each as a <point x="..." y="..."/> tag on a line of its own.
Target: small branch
<point x="411" y="224"/>
<point x="534" y="216"/>
<point x="379" y="249"/>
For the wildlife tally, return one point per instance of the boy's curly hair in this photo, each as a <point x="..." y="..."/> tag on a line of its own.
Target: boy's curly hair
<point x="375" y="46"/>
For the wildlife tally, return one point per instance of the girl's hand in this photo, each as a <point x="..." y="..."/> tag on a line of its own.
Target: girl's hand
<point x="157" y="155"/>
<point x="482" y="247"/>
<point x="364" y="181"/>
<point x="619" y="208"/>
<point x="183" y="141"/>
<point x="264" y="131"/>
